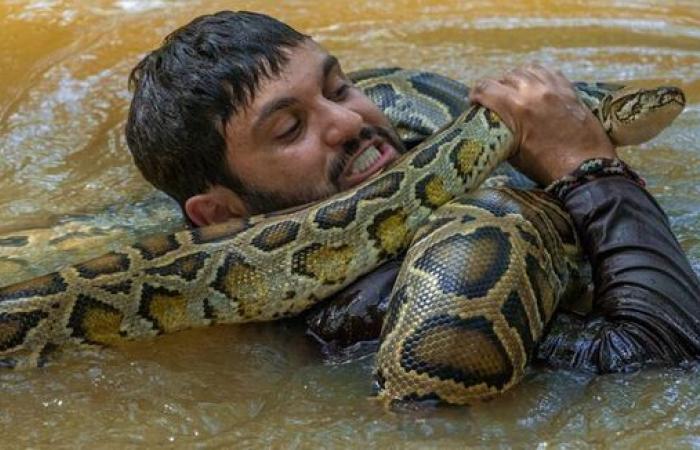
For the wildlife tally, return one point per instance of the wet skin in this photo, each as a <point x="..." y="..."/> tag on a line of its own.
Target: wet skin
<point x="308" y="133"/>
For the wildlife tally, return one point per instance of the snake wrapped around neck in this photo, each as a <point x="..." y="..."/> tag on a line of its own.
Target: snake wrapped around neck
<point x="459" y="327"/>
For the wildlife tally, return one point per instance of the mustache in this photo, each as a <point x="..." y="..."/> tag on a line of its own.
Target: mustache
<point x="366" y="133"/>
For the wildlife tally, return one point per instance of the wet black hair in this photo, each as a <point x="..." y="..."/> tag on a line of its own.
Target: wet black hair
<point x="186" y="91"/>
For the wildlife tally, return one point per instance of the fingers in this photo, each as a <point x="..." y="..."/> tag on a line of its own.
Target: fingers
<point x="495" y="95"/>
<point x="552" y="77"/>
<point x="551" y="128"/>
<point x="542" y="73"/>
<point x="508" y="96"/>
<point x="535" y="73"/>
<point x="501" y="94"/>
<point x="520" y="77"/>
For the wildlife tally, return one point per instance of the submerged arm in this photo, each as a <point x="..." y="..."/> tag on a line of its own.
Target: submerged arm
<point x="647" y="298"/>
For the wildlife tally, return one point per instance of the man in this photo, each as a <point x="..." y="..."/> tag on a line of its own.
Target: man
<point x="238" y="114"/>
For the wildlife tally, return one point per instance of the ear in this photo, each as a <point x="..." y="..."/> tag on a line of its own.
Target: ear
<point x="217" y="205"/>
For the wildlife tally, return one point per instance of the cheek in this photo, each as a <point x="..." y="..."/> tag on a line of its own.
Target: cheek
<point x="304" y="162"/>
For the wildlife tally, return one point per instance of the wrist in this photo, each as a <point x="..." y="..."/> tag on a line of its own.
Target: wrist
<point x="569" y="162"/>
<point x="589" y="170"/>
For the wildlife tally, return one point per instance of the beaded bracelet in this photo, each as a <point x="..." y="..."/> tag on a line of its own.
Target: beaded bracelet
<point x="592" y="169"/>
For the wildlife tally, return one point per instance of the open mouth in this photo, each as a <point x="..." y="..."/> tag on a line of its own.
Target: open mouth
<point x="365" y="160"/>
<point x="369" y="161"/>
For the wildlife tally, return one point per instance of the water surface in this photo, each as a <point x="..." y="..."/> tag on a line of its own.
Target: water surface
<point x="64" y="169"/>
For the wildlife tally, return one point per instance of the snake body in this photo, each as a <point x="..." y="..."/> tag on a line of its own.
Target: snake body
<point x="459" y="327"/>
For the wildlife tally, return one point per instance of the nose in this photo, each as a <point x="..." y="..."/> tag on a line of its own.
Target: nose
<point x="340" y="124"/>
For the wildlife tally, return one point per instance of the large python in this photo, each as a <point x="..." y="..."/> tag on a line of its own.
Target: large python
<point x="482" y="276"/>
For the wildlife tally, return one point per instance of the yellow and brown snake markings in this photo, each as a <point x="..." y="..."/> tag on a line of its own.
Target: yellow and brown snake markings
<point x="483" y="274"/>
<point x="389" y="231"/>
<point x="43" y="286"/>
<point x="240" y="280"/>
<point x="325" y="263"/>
<point x="431" y="192"/>
<point x="491" y="294"/>
<point x="186" y="267"/>
<point x="156" y="246"/>
<point x="166" y="309"/>
<point x="219" y="232"/>
<point x="105" y="265"/>
<point x="14" y="328"/>
<point x="95" y="322"/>
<point x="123" y="287"/>
<point x="276" y="236"/>
<point x="343" y="213"/>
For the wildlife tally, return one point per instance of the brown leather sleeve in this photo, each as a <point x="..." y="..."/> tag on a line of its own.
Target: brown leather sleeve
<point x="348" y="325"/>
<point x="647" y="298"/>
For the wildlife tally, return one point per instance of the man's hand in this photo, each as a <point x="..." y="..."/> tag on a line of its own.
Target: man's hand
<point x="554" y="133"/>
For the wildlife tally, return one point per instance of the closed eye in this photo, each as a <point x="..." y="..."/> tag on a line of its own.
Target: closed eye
<point x="342" y="92"/>
<point x="291" y="131"/>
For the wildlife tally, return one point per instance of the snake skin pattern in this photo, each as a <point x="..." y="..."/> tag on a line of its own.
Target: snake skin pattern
<point x="482" y="276"/>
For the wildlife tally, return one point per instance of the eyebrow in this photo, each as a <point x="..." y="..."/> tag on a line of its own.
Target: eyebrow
<point x="269" y="109"/>
<point x="330" y="62"/>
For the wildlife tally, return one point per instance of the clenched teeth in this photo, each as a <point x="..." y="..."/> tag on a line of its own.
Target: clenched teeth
<point x="365" y="160"/>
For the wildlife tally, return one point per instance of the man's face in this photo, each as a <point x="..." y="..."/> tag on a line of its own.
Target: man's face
<point x="308" y="134"/>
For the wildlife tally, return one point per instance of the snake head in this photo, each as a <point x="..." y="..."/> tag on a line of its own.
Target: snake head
<point x="632" y="116"/>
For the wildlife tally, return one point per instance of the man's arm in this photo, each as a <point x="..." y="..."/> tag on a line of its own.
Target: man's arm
<point x="646" y="306"/>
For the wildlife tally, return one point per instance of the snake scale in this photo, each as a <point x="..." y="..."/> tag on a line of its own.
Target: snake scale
<point x="482" y="275"/>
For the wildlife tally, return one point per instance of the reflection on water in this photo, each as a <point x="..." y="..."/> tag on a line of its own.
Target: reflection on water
<point x="63" y="100"/>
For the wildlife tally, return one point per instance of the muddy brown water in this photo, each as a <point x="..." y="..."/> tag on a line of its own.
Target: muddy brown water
<point x="63" y="100"/>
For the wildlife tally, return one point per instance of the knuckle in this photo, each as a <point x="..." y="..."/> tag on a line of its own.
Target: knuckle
<point x="481" y="86"/>
<point x="521" y="106"/>
<point x="520" y="72"/>
<point x="512" y="74"/>
<point x="550" y="96"/>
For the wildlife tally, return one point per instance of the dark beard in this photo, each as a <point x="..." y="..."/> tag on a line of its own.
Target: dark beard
<point x="263" y="202"/>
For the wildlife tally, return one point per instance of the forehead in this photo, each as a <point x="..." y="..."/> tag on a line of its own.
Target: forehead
<point x="305" y="64"/>
<point x="304" y="67"/>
